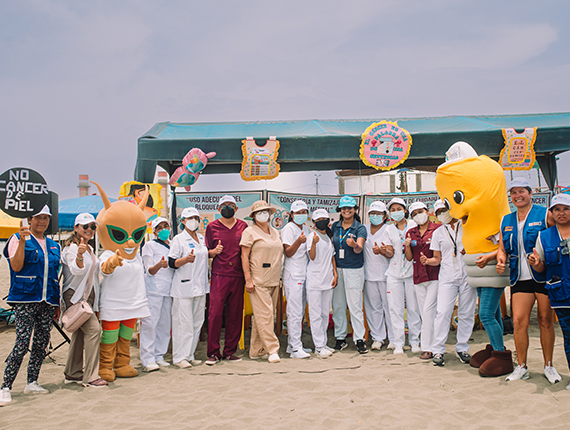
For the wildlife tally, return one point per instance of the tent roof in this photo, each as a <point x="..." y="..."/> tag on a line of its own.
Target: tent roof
<point x="70" y="208"/>
<point x="335" y="144"/>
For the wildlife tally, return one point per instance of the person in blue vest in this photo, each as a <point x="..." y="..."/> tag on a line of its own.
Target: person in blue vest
<point x="519" y="232"/>
<point x="552" y="254"/>
<point x="34" y="296"/>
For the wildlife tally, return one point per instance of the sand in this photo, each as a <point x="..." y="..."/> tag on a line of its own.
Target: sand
<point x="346" y="391"/>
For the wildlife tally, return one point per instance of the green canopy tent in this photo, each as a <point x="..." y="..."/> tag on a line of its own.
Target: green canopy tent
<point x="334" y="145"/>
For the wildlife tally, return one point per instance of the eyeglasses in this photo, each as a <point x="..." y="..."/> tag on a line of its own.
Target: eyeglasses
<point x="564" y="247"/>
<point x="90" y="226"/>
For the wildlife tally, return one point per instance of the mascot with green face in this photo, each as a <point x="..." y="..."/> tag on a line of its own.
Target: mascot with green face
<point x="121" y="230"/>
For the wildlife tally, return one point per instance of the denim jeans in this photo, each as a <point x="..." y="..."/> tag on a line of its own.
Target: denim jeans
<point x="490" y="315"/>
<point x="564" y="320"/>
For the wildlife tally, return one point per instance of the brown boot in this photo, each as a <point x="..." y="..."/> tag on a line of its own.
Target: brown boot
<point x="122" y="368"/>
<point x="500" y="363"/>
<point x="106" y="357"/>
<point x="481" y="356"/>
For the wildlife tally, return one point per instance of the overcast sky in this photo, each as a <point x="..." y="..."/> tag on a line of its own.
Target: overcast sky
<point x="81" y="81"/>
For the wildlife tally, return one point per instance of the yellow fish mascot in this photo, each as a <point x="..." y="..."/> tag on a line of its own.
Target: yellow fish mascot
<point x="474" y="190"/>
<point x="121" y="229"/>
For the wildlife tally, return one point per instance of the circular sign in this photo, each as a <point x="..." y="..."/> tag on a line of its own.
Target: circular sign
<point x="385" y="145"/>
<point x="23" y="192"/>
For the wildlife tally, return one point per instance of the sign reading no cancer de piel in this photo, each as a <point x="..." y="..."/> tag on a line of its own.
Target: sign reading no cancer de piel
<point x="23" y="192"/>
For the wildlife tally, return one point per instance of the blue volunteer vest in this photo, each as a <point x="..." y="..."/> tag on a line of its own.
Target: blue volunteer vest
<point x="27" y="285"/>
<point x="534" y="224"/>
<point x="557" y="269"/>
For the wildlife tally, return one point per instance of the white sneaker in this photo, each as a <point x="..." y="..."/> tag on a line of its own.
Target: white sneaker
<point x="5" y="396"/>
<point x="391" y="346"/>
<point x="184" y="364"/>
<point x="415" y="348"/>
<point x="163" y="363"/>
<point x="273" y="358"/>
<point x="398" y="350"/>
<point x="328" y="348"/>
<point x="259" y="357"/>
<point x="551" y="374"/>
<point x="300" y="354"/>
<point x="290" y="350"/>
<point x="377" y="345"/>
<point x="151" y="367"/>
<point x="520" y="372"/>
<point x="195" y="362"/>
<point x="323" y="352"/>
<point x="35" y="388"/>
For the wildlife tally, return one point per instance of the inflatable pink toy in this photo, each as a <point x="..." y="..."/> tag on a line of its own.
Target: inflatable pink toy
<point x="192" y="164"/>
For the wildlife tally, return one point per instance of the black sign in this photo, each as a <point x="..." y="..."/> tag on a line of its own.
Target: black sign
<point x="23" y="192"/>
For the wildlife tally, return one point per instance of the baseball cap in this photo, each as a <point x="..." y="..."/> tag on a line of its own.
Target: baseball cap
<point x="85" y="218"/>
<point x="417" y="205"/>
<point x="519" y="182"/>
<point x="227" y="199"/>
<point x="347" y="202"/>
<point x="189" y="213"/>
<point x="377" y="206"/>
<point x="560" y="199"/>
<point x="298" y="205"/>
<point x="439" y="205"/>
<point x="459" y="151"/>
<point x="44" y="211"/>
<point x="157" y="221"/>
<point x="398" y="200"/>
<point x="320" y="213"/>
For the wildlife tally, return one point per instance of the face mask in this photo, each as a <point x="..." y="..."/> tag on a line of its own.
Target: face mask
<point x="444" y="217"/>
<point x="322" y="224"/>
<point x="228" y="211"/>
<point x="164" y="234"/>
<point x="192" y="224"/>
<point x="300" y="219"/>
<point x="397" y="216"/>
<point x="421" y="219"/>
<point x="262" y="216"/>
<point x="376" y="219"/>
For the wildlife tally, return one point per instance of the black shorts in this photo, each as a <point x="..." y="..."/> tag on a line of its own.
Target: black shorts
<point x="528" y="286"/>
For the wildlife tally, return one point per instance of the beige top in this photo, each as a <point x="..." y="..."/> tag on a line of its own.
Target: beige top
<point x="266" y="253"/>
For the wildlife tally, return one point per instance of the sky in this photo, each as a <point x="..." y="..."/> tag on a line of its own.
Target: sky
<point x="81" y="81"/>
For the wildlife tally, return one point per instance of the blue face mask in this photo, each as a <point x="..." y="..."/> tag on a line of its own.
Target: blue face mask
<point x="376" y="219"/>
<point x="300" y="218"/>
<point x="164" y="234"/>
<point x="397" y="216"/>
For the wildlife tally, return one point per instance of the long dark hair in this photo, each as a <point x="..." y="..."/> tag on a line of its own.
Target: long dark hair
<point x="356" y="216"/>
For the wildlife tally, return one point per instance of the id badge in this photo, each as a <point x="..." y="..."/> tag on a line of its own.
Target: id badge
<point x="341" y="253"/>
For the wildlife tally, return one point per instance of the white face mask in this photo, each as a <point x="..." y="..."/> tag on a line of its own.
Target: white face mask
<point x="421" y="219"/>
<point x="262" y="216"/>
<point x="444" y="217"/>
<point x="192" y="224"/>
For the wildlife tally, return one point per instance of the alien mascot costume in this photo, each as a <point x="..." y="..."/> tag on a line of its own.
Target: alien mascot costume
<point x="474" y="189"/>
<point x="121" y="229"/>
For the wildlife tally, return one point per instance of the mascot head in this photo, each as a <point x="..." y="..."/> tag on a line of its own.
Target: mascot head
<point x="474" y="189"/>
<point x="122" y="225"/>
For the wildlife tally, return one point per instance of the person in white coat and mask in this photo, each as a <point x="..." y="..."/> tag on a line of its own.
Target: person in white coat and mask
<point x="294" y="237"/>
<point x="155" y="330"/>
<point x="375" y="267"/>
<point x="189" y="258"/>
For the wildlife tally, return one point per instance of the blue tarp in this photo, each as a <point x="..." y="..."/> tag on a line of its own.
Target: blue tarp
<point x="70" y="208"/>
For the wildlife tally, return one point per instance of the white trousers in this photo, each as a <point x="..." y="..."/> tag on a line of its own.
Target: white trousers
<point x="187" y="320"/>
<point x="349" y="292"/>
<point x="155" y="330"/>
<point x="426" y="293"/>
<point x="296" y="296"/>
<point x="319" y="308"/>
<point x="401" y="296"/>
<point x="447" y="294"/>
<point x="377" y="310"/>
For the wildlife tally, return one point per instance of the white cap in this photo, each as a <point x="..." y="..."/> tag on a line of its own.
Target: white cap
<point x="459" y="151"/>
<point x="226" y="199"/>
<point x="439" y="205"/>
<point x="377" y="206"/>
<point x="85" y="218"/>
<point x="560" y="199"/>
<point x="417" y="205"/>
<point x="398" y="200"/>
<point x="157" y="221"/>
<point x="189" y="213"/>
<point x="44" y="211"/>
<point x="298" y="205"/>
<point x="519" y="182"/>
<point x="320" y="213"/>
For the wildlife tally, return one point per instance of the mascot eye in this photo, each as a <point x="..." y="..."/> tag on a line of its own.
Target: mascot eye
<point x="138" y="234"/>
<point x="117" y="234"/>
<point x="459" y="197"/>
<point x="446" y="203"/>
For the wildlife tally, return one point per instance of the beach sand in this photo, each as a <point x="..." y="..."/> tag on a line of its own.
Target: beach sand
<point x="345" y="391"/>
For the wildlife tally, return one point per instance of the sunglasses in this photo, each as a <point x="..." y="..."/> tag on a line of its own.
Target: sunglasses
<point x="90" y="226"/>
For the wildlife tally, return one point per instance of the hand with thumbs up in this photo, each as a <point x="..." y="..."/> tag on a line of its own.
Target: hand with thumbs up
<point x="81" y="248"/>
<point x="376" y="249"/>
<point x="219" y="248"/>
<point x="191" y="257"/>
<point x="383" y="249"/>
<point x="112" y="263"/>
<point x="163" y="264"/>
<point x="350" y="241"/>
<point x="501" y="264"/>
<point x="423" y="259"/>
<point x="302" y="238"/>
<point x="316" y="238"/>
<point x="408" y="241"/>
<point x="534" y="259"/>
